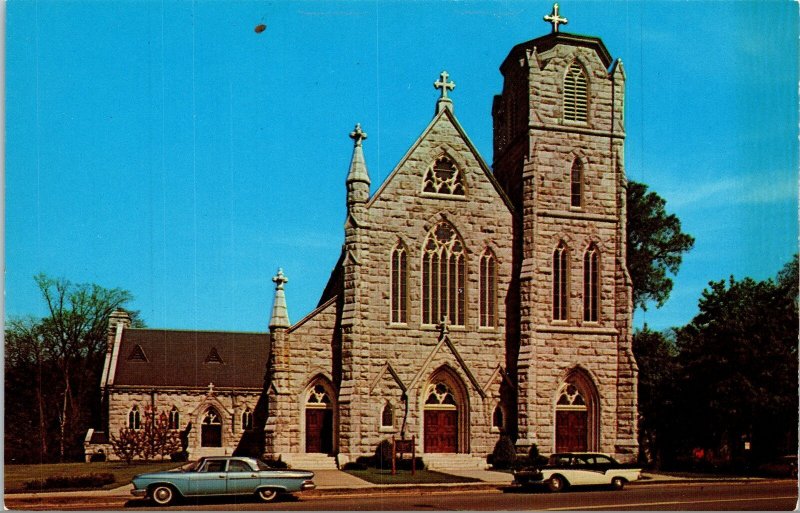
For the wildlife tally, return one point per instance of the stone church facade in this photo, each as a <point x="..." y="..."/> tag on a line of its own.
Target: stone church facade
<point x="468" y="300"/>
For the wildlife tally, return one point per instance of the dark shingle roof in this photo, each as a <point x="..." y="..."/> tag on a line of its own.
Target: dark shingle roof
<point x="173" y="358"/>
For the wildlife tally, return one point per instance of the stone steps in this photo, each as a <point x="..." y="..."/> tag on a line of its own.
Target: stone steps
<point x="309" y="461"/>
<point x="454" y="461"/>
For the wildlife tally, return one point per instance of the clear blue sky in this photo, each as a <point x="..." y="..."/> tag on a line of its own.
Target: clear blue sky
<point x="167" y="148"/>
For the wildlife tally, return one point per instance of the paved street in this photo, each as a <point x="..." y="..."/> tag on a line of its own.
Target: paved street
<point x="762" y="495"/>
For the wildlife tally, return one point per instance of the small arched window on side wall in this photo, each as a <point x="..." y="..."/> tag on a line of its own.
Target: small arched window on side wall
<point x="576" y="184"/>
<point x="399" y="286"/>
<point x="247" y="419"/>
<point x="560" y="282"/>
<point x="591" y="284"/>
<point x="488" y="291"/>
<point x="174" y="418"/>
<point x="134" y="418"/>
<point x="498" y="419"/>
<point x="576" y="94"/>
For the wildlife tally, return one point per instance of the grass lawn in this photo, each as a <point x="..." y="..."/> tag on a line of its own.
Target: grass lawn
<point x="17" y="475"/>
<point x="377" y="476"/>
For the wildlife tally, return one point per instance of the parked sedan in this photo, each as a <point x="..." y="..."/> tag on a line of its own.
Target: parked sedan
<point x="224" y="475"/>
<point x="578" y="468"/>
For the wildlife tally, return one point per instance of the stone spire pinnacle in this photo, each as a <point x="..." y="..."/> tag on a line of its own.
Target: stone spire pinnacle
<point x="280" y="315"/>
<point x="444" y="85"/>
<point x="358" y="168"/>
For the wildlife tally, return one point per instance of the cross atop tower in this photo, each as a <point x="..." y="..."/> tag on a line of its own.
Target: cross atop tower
<point x="358" y="135"/>
<point x="280" y="280"/>
<point x="554" y="19"/>
<point x="444" y="85"/>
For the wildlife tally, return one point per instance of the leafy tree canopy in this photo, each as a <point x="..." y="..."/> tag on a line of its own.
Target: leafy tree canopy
<point x="655" y="245"/>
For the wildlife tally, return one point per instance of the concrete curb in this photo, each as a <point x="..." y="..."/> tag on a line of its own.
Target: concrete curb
<point x="383" y="489"/>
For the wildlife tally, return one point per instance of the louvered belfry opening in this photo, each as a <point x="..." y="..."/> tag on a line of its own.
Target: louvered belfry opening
<point x="575" y="94"/>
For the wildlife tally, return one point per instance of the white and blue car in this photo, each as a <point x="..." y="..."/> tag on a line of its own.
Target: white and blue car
<point x="223" y="475"/>
<point x="576" y="469"/>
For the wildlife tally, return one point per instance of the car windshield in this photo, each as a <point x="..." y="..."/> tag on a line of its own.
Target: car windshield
<point x="191" y="466"/>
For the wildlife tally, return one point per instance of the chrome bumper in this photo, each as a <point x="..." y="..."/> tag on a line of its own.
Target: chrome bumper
<point x="138" y="493"/>
<point x="307" y="485"/>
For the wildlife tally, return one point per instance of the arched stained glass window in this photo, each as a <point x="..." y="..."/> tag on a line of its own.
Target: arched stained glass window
<point x="560" y="283"/>
<point x="488" y="292"/>
<point x="443" y="177"/>
<point x="497" y="417"/>
<point x="443" y="276"/>
<point x="399" y="292"/>
<point x="575" y="93"/>
<point x="591" y="284"/>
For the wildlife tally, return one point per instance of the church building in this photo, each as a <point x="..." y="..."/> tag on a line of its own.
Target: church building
<point x="468" y="301"/>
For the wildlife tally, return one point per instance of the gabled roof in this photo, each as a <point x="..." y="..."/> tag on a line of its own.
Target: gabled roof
<point x="549" y="41"/>
<point x="446" y="112"/>
<point x="175" y="358"/>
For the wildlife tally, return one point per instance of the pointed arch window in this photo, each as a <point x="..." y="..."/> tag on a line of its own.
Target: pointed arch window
<point x="443" y="177"/>
<point x="560" y="283"/>
<point x="498" y="418"/>
<point x="399" y="292"/>
<point x="174" y="418"/>
<point x="576" y="184"/>
<point x="247" y="419"/>
<point x="134" y="418"/>
<point x="488" y="291"/>
<point x="444" y="276"/>
<point x="591" y="284"/>
<point x="575" y="94"/>
<point x="387" y="415"/>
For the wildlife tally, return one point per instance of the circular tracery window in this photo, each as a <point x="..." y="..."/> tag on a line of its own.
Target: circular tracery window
<point x="318" y="397"/>
<point x="439" y="395"/>
<point x="570" y="398"/>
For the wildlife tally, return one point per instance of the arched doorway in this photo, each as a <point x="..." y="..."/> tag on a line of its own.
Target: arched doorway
<point x="319" y="420"/>
<point x="445" y="415"/>
<point x="211" y="429"/>
<point x="576" y="416"/>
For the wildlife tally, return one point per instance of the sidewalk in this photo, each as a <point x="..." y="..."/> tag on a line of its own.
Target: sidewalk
<point x="336" y="481"/>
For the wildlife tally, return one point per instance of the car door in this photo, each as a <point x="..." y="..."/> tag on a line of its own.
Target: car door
<point x="580" y="469"/>
<point x="210" y="479"/>
<point x="242" y="478"/>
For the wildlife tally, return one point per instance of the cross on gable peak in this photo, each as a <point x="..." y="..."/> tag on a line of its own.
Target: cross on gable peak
<point x="554" y="18"/>
<point x="444" y="84"/>
<point x="358" y="135"/>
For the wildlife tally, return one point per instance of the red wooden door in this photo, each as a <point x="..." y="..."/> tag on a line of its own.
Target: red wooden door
<point x="441" y="431"/>
<point x="319" y="430"/>
<point x="572" y="432"/>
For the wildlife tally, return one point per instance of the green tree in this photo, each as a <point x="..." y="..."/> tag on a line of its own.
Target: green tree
<point x="655" y="245"/>
<point x="54" y="364"/>
<point x="739" y="367"/>
<point x="656" y="356"/>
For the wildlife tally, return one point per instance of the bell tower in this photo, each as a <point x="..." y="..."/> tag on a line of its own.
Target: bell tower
<point x="558" y="153"/>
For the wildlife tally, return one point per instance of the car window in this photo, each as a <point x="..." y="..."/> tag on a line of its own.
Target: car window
<point x="214" y="466"/>
<point x="263" y="465"/>
<point x="604" y="460"/>
<point x="239" y="466"/>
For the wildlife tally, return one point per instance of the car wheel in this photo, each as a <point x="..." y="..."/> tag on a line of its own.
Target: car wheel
<point x="266" y="494"/>
<point x="163" y="495"/>
<point x="618" y="483"/>
<point x="556" y="484"/>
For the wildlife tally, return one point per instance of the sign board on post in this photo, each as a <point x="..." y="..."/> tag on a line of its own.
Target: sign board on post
<point x="401" y="447"/>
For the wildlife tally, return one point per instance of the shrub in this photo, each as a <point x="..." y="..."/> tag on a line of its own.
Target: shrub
<point x="504" y="454"/>
<point x="536" y="459"/>
<point x="405" y="464"/>
<point x="383" y="455"/>
<point x="76" y="481"/>
<point x="97" y="456"/>
<point x="354" y="465"/>
<point x="366" y="461"/>
<point x="179" y="456"/>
